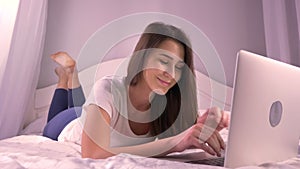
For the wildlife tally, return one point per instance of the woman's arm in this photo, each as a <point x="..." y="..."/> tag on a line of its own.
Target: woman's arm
<point x="95" y="135"/>
<point x="96" y="139"/>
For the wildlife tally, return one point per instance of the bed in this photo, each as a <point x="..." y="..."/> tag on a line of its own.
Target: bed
<point x="31" y="150"/>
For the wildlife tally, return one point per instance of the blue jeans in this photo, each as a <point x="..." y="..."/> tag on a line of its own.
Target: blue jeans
<point x="65" y="107"/>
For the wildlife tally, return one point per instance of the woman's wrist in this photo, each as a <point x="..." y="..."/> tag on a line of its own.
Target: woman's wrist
<point x="176" y="141"/>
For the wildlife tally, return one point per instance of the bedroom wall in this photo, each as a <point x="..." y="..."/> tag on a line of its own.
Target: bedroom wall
<point x="230" y="25"/>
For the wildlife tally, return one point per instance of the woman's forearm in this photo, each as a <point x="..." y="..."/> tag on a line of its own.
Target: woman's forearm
<point x="156" y="148"/>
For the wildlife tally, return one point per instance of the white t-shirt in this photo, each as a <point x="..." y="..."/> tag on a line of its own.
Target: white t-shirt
<point x="109" y="93"/>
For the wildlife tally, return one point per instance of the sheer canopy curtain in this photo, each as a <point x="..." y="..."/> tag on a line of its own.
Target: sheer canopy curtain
<point x="21" y="65"/>
<point x="282" y="30"/>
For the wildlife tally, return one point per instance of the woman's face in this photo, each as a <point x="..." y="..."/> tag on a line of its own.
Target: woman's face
<point x="163" y="66"/>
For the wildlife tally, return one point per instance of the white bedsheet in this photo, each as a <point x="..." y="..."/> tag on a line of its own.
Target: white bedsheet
<point x="37" y="152"/>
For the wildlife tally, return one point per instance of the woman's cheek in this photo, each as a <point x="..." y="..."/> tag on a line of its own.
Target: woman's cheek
<point x="177" y="76"/>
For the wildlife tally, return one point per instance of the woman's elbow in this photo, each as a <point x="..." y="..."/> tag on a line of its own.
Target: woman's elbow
<point x="96" y="155"/>
<point x="89" y="149"/>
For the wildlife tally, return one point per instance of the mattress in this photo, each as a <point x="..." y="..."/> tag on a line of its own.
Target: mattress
<point x="37" y="152"/>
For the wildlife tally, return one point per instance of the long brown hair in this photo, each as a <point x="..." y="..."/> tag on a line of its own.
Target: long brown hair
<point x="179" y="109"/>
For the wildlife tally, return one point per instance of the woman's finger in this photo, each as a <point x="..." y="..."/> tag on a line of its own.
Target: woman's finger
<point x="214" y="144"/>
<point x="205" y="147"/>
<point x="221" y="141"/>
<point x="209" y="136"/>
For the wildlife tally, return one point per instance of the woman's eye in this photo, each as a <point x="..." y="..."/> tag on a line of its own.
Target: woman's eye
<point x="179" y="67"/>
<point x="163" y="62"/>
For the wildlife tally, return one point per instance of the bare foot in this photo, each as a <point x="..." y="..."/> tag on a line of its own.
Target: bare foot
<point x="67" y="70"/>
<point x="63" y="59"/>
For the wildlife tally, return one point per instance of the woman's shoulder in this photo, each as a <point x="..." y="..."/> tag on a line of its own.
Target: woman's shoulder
<point x="111" y="79"/>
<point x="110" y="82"/>
<point x="106" y="92"/>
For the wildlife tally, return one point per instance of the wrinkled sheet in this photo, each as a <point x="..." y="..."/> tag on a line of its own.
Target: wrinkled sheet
<point x="37" y="152"/>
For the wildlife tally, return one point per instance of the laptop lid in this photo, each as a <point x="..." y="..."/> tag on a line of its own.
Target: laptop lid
<point x="265" y="114"/>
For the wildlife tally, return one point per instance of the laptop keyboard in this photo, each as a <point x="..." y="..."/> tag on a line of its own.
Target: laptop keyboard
<point x="215" y="161"/>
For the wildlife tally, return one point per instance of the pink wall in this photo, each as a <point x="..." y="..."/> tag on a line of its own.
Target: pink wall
<point x="230" y="25"/>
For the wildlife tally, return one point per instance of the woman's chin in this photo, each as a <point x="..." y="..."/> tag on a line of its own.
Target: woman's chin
<point x="160" y="91"/>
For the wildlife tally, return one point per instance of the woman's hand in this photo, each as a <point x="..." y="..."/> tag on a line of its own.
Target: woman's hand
<point x="215" y="118"/>
<point x="202" y="137"/>
<point x="205" y="133"/>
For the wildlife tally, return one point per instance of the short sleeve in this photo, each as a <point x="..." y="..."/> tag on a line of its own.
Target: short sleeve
<point x="101" y="96"/>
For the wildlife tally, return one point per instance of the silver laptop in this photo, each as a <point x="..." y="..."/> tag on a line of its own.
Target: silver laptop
<point x="265" y="114"/>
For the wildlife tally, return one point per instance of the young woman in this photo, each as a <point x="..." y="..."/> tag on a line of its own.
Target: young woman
<point x="150" y="112"/>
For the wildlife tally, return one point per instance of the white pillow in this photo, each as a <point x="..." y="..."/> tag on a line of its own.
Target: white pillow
<point x="72" y="132"/>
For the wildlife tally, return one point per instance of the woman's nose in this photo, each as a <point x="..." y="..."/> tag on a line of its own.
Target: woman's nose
<point x="170" y="71"/>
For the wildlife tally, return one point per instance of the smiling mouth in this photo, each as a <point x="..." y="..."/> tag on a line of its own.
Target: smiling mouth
<point x="164" y="83"/>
